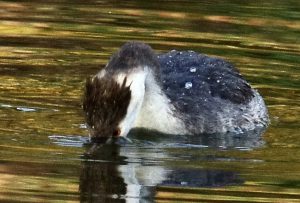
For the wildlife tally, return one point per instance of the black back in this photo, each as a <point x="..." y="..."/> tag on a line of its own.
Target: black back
<point x="202" y="88"/>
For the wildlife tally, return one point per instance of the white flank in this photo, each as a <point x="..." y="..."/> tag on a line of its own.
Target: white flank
<point x="157" y="112"/>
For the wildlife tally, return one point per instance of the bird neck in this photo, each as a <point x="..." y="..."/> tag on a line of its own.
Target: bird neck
<point x="136" y="80"/>
<point x="156" y="111"/>
<point x="149" y="106"/>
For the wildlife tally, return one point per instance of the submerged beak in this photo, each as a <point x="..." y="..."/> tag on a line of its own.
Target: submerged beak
<point x="100" y="140"/>
<point x="105" y="138"/>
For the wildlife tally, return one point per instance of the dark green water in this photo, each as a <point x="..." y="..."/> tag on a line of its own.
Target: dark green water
<point x="48" y="48"/>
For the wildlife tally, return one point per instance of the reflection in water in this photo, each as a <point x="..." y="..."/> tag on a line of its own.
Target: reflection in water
<point x="130" y="173"/>
<point x="100" y="180"/>
<point x="202" y="178"/>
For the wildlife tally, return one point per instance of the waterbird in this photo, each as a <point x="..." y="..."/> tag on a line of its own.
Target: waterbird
<point x="179" y="92"/>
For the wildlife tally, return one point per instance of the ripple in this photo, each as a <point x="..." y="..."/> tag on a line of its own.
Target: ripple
<point x="26" y="109"/>
<point x="20" y="108"/>
<point x="69" y="141"/>
<point x="5" y="106"/>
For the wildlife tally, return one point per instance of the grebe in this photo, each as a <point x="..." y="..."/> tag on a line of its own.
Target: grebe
<point x="180" y="92"/>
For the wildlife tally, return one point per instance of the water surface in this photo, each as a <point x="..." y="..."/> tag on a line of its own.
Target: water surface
<point x="48" y="48"/>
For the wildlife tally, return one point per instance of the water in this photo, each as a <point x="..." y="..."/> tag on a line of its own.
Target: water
<point x="48" y="48"/>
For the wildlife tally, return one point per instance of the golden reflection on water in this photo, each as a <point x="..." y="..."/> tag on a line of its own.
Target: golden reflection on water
<point x="48" y="49"/>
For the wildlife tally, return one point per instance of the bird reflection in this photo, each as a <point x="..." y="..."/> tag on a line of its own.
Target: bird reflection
<point x="100" y="180"/>
<point x="137" y="171"/>
<point x="107" y="176"/>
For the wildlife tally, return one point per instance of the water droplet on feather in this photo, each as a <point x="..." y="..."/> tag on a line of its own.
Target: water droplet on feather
<point x="188" y="85"/>
<point x="193" y="69"/>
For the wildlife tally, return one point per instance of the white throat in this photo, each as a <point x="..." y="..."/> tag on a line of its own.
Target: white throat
<point x="149" y="107"/>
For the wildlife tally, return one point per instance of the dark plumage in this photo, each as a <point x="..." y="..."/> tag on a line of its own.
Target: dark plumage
<point x="210" y="77"/>
<point x="105" y="104"/>
<point x="132" y="55"/>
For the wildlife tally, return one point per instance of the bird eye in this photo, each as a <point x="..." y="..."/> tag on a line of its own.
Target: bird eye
<point x="117" y="132"/>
